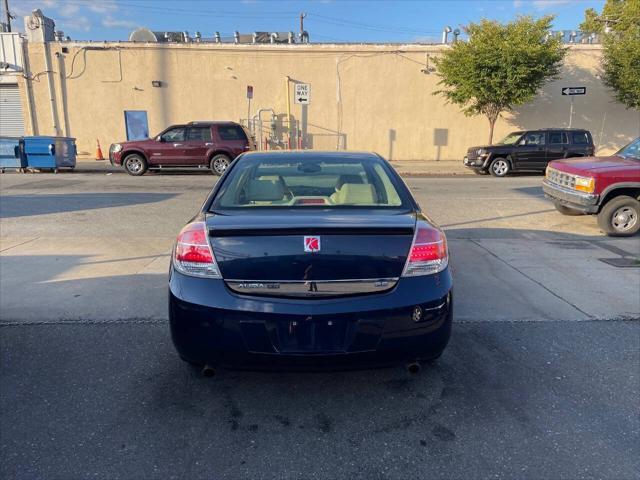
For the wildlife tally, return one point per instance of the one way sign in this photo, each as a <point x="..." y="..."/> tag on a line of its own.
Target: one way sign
<point x="302" y="93"/>
<point x="574" y="90"/>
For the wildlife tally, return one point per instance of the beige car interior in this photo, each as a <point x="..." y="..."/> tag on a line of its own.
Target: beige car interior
<point x="272" y="190"/>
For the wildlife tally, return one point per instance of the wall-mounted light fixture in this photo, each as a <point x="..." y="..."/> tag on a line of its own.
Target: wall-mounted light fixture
<point x="156" y="83"/>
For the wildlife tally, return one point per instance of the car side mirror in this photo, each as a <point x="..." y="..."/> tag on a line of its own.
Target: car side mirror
<point x="159" y="138"/>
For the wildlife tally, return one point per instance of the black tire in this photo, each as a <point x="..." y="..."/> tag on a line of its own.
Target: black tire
<point x="566" y="210"/>
<point x="219" y="163"/>
<point x="481" y="172"/>
<point x="135" y="164"/>
<point x="620" y="217"/>
<point x="500" y="167"/>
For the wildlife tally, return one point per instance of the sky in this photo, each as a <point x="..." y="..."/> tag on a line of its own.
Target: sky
<point x="326" y="20"/>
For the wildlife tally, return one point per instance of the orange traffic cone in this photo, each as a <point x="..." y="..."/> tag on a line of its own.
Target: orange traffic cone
<point x="99" y="155"/>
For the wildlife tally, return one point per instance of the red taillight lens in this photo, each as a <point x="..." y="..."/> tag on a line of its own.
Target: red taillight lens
<point x="193" y="254"/>
<point x="428" y="253"/>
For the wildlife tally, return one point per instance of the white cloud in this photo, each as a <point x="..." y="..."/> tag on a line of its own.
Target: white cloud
<point x="541" y="4"/>
<point x="111" y="22"/>
<point x="23" y="8"/>
<point x="104" y="6"/>
<point x="68" y="10"/>
<point x="544" y="4"/>
<point x="79" y="23"/>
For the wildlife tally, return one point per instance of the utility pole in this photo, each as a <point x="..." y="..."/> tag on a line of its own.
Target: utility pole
<point x="6" y="11"/>
<point x="302" y="15"/>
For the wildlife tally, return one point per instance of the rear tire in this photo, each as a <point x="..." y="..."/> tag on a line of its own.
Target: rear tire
<point x="500" y="167"/>
<point x="566" y="210"/>
<point x="620" y="217"/>
<point x="219" y="164"/>
<point x="135" y="165"/>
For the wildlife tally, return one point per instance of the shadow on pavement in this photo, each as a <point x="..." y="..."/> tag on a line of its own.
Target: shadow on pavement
<point x="115" y="401"/>
<point x="501" y="217"/>
<point x="30" y="205"/>
<point x="533" y="191"/>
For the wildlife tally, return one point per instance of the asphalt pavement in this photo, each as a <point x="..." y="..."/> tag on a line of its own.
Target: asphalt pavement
<point x="541" y="378"/>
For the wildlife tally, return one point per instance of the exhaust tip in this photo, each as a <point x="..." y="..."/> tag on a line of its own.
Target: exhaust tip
<point x="208" y="371"/>
<point x="414" y="368"/>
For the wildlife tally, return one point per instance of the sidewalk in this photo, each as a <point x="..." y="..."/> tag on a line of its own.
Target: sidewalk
<point x="413" y="168"/>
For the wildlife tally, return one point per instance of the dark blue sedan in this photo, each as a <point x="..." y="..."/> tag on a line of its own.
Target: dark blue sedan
<point x="307" y="260"/>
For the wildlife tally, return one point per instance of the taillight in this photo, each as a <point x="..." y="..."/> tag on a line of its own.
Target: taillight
<point x="193" y="255"/>
<point x="428" y="254"/>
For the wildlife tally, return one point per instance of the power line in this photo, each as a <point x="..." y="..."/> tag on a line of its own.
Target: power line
<point x="368" y="26"/>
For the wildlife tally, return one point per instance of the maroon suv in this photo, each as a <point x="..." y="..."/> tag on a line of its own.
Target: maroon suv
<point x="195" y="145"/>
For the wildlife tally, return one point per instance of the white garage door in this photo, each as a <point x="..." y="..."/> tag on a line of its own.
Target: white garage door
<point x="11" y="120"/>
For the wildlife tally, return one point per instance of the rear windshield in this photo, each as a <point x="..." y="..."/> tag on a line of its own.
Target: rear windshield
<point x="307" y="183"/>
<point x="580" y="138"/>
<point x="231" y="132"/>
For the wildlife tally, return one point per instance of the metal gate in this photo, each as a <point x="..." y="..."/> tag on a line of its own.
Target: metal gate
<point x="11" y="119"/>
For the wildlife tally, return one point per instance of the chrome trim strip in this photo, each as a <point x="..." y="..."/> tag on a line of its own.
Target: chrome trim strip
<point x="438" y="307"/>
<point x="576" y="196"/>
<point x="307" y="288"/>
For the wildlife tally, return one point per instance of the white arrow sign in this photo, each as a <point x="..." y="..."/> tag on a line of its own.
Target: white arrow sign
<point x="302" y="93"/>
<point x="574" y="90"/>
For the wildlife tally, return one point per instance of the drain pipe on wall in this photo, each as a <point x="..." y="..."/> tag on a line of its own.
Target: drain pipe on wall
<point x="52" y="93"/>
<point x="63" y="93"/>
<point x="259" y="117"/>
<point x="288" y="80"/>
<point x="28" y="87"/>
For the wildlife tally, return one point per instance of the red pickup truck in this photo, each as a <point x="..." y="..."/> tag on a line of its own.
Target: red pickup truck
<point x="194" y="145"/>
<point x="606" y="186"/>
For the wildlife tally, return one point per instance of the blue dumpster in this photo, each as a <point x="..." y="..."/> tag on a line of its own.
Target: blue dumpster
<point x="50" y="153"/>
<point x="11" y="154"/>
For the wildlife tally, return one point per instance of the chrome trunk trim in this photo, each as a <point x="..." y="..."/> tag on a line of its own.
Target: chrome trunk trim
<point x="312" y="288"/>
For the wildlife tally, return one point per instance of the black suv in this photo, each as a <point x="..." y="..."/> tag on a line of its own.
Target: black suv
<point x="529" y="150"/>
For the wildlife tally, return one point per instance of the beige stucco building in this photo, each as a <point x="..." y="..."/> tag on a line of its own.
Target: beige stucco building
<point x="363" y="97"/>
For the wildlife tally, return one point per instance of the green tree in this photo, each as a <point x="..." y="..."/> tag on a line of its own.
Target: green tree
<point x="619" y="26"/>
<point x="499" y="66"/>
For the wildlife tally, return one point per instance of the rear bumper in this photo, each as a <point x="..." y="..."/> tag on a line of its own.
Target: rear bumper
<point x="212" y="325"/>
<point x="584" y="202"/>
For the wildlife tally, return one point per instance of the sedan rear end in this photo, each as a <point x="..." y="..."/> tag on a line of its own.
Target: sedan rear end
<point x="310" y="260"/>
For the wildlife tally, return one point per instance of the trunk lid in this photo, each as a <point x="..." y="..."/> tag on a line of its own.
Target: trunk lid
<point x="277" y="254"/>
